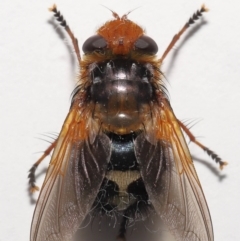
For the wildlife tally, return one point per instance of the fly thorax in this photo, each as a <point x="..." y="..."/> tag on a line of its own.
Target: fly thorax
<point x="121" y="91"/>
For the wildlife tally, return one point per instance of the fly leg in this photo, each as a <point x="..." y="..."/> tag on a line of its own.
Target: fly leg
<point x="31" y="176"/>
<point x="63" y="23"/>
<point x="176" y="37"/>
<point x="211" y="153"/>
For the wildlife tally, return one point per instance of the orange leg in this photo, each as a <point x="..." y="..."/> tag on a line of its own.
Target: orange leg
<point x="31" y="176"/>
<point x="176" y="37"/>
<point x="63" y="23"/>
<point x="211" y="153"/>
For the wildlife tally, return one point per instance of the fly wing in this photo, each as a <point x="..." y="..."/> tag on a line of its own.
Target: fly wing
<point x="74" y="176"/>
<point x="171" y="181"/>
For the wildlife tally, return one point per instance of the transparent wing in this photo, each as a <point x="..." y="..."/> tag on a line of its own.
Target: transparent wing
<point x="171" y="180"/>
<point x="72" y="182"/>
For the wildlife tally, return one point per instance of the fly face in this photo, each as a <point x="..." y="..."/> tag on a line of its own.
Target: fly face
<point x="121" y="150"/>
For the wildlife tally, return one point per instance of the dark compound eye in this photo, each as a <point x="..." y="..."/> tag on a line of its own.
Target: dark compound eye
<point x="96" y="42"/>
<point x="146" y="45"/>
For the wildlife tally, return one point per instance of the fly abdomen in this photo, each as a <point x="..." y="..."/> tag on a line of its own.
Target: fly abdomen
<point x="122" y="187"/>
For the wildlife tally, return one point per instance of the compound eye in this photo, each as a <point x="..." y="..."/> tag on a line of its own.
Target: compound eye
<point x="96" y="42"/>
<point x="146" y="45"/>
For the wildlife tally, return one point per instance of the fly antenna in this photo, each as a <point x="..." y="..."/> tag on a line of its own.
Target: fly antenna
<point x="126" y="14"/>
<point x="176" y="37"/>
<point x="115" y="15"/>
<point x="63" y="23"/>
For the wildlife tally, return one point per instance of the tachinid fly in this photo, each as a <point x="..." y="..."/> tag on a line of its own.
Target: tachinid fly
<point x="121" y="151"/>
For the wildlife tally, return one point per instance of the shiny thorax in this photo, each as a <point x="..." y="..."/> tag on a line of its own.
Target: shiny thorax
<point x="122" y="94"/>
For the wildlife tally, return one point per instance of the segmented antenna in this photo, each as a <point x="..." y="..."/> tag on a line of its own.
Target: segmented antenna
<point x="176" y="37"/>
<point x="59" y="17"/>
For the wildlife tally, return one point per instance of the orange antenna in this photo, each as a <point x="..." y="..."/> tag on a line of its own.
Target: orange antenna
<point x="63" y="23"/>
<point x="176" y="37"/>
<point x="115" y="15"/>
<point x="126" y="14"/>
